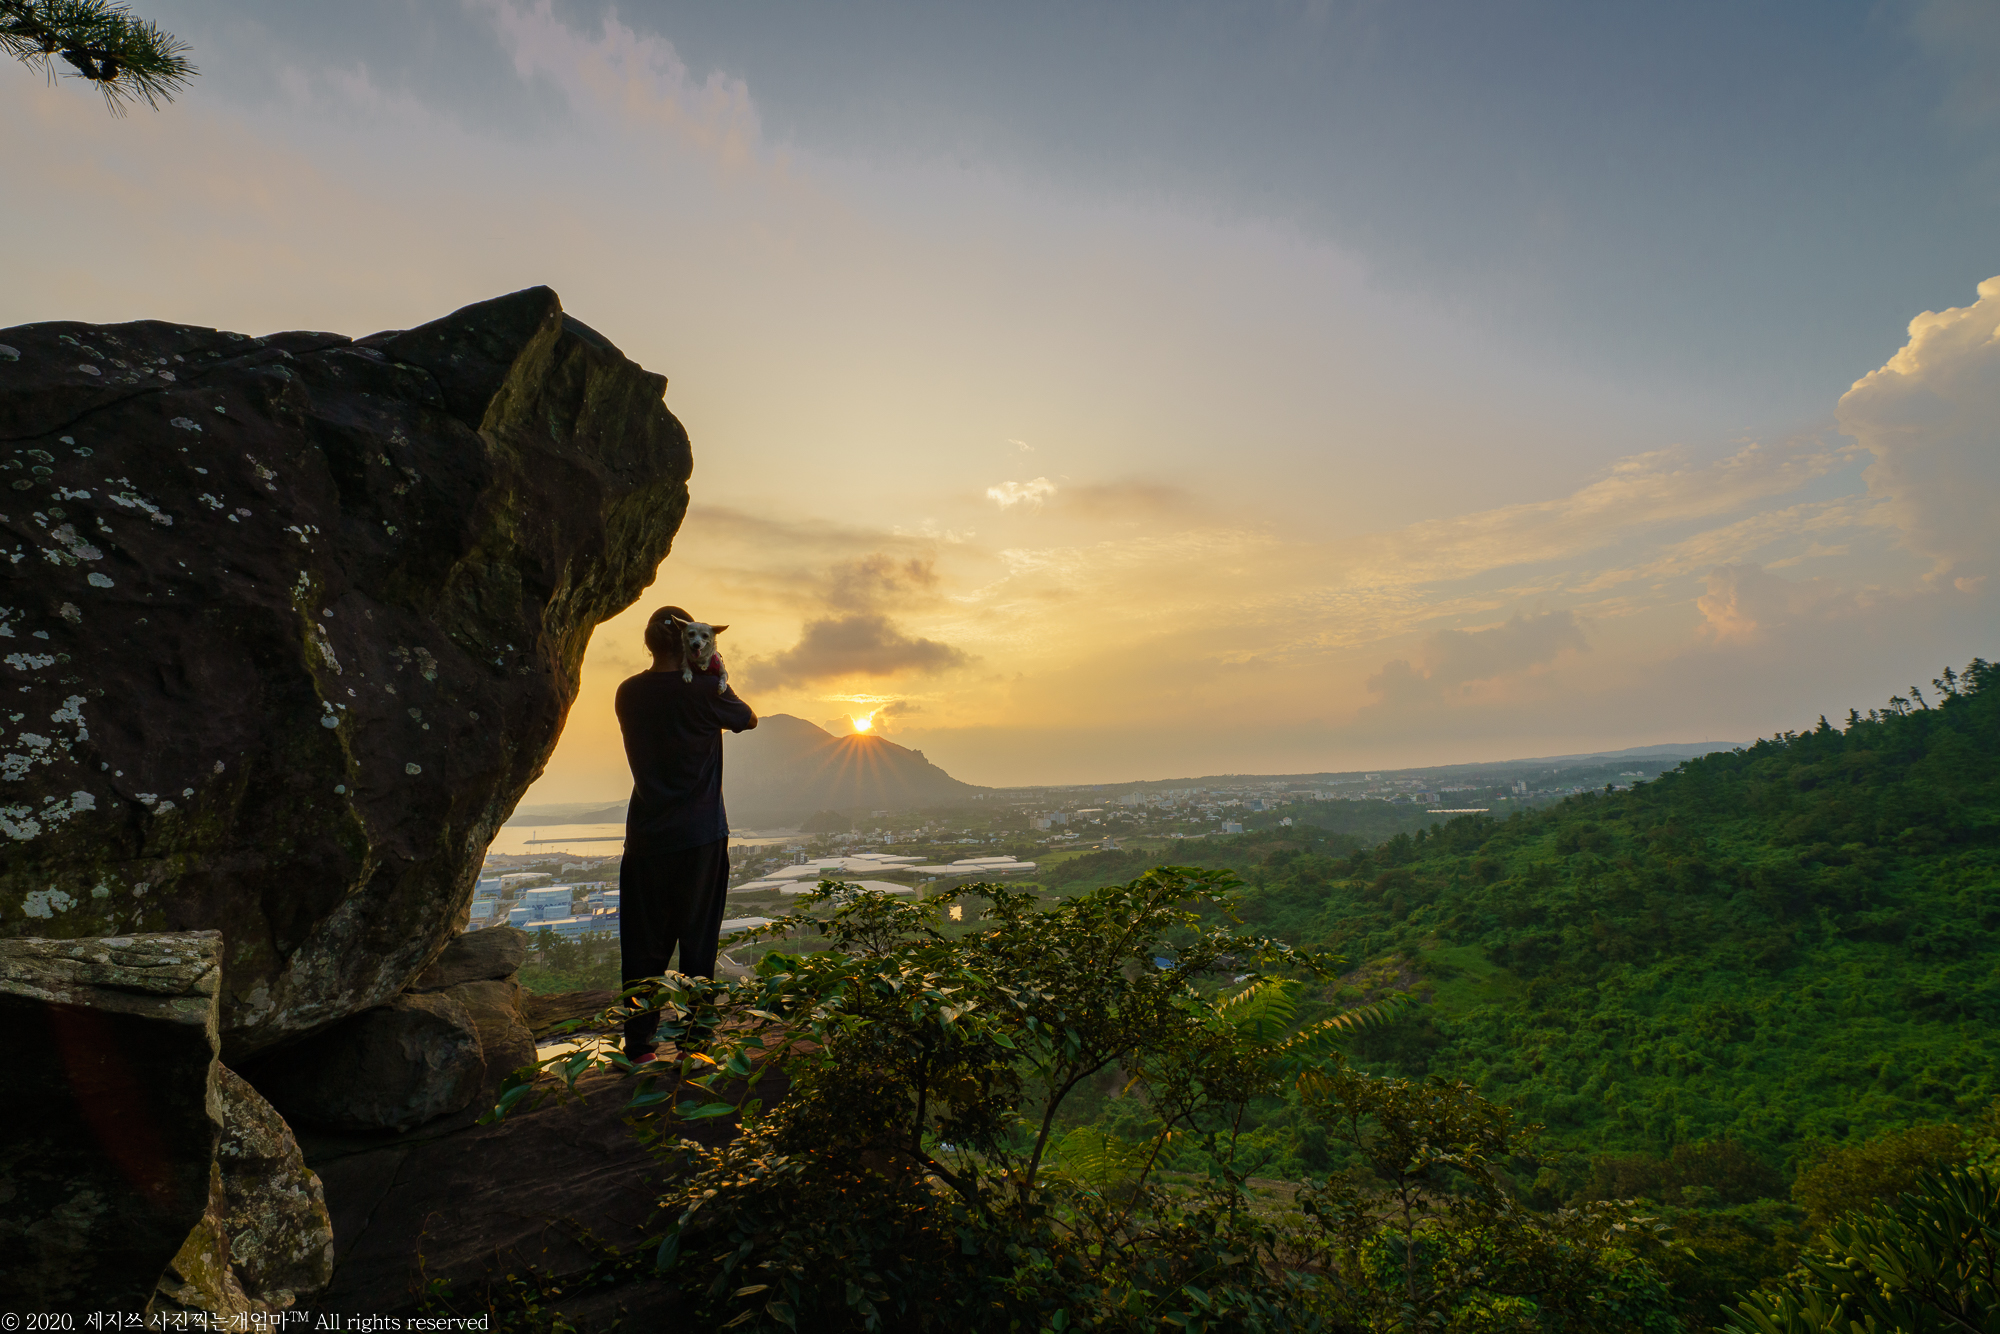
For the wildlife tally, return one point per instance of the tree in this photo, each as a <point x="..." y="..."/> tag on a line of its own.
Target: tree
<point x="125" y="56"/>
<point x="1423" y="1231"/>
<point x="1927" y="1262"/>
<point x="1851" y="1178"/>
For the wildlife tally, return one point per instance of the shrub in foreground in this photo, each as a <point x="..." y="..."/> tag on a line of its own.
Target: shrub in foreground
<point x="920" y="1173"/>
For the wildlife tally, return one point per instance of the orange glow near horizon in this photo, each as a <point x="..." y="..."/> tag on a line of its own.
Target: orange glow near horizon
<point x="864" y="722"/>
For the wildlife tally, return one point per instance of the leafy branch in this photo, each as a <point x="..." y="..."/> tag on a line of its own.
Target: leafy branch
<point x="127" y="57"/>
<point x="1927" y="1262"/>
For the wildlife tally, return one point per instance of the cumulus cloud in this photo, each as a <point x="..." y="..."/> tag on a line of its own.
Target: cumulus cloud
<point x="1031" y="493"/>
<point x="1931" y="418"/>
<point x="888" y="717"/>
<point x="1453" y="660"/>
<point x="857" y="644"/>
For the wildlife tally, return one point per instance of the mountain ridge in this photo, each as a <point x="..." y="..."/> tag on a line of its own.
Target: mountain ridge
<point x="786" y="768"/>
<point x="761" y="796"/>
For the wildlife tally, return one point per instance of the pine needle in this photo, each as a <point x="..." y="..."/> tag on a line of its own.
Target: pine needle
<point x="128" y="58"/>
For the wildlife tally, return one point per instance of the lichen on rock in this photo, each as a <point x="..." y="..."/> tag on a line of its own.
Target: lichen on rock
<point x="280" y="1240"/>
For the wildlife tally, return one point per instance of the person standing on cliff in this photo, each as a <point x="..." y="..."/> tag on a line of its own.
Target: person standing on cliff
<point x="675" y="873"/>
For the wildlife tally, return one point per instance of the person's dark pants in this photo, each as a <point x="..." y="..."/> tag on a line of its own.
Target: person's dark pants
<point x="669" y="899"/>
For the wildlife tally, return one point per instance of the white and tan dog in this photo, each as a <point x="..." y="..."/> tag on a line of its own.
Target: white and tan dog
<point x="698" y="651"/>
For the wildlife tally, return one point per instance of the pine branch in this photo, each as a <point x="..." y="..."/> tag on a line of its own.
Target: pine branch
<point x="127" y="57"/>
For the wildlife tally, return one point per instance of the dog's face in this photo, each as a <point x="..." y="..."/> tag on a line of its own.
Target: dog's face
<point x="698" y="641"/>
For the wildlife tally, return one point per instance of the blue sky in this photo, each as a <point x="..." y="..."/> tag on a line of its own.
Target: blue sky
<point x="1772" y="185"/>
<point x="1755" y="196"/>
<point x="1230" y="387"/>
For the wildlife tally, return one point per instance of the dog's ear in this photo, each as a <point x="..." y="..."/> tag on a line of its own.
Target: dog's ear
<point x="677" y="621"/>
<point x="717" y="629"/>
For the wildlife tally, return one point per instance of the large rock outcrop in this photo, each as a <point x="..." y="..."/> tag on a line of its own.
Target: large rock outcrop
<point x="444" y="1046"/>
<point x="390" y="1067"/>
<point x="288" y="624"/>
<point x="107" y="1146"/>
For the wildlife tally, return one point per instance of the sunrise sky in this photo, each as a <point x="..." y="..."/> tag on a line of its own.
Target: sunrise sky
<point x="1114" y="391"/>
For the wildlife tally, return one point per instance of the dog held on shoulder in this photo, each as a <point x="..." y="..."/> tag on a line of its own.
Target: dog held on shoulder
<point x="698" y="652"/>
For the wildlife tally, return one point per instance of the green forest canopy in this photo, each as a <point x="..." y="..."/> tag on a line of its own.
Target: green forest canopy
<point x="1781" y="945"/>
<point x="1752" y="994"/>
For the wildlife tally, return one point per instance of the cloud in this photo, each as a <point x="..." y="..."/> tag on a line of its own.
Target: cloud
<point x="1963" y="36"/>
<point x="879" y="578"/>
<point x="1651" y="490"/>
<point x="1031" y="494"/>
<point x="1454" y="660"/>
<point x="1125" y="500"/>
<point x="860" y="644"/>
<point x="805" y="567"/>
<point x="1023" y="446"/>
<point x="930" y="528"/>
<point x="1744" y="602"/>
<point x="887" y="717"/>
<point x="1931" y="418"/>
<point x="638" y="82"/>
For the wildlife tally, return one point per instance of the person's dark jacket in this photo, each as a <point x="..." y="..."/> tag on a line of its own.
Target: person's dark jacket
<point x="673" y="741"/>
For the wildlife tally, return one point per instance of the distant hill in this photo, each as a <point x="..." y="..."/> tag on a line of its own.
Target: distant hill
<point x="1780" y="944"/>
<point x="786" y="768"/>
<point x="1472" y="769"/>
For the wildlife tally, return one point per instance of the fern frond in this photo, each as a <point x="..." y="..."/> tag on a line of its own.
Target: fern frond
<point x="1262" y="1010"/>
<point x="1314" y="1040"/>
<point x="1090" y="1156"/>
